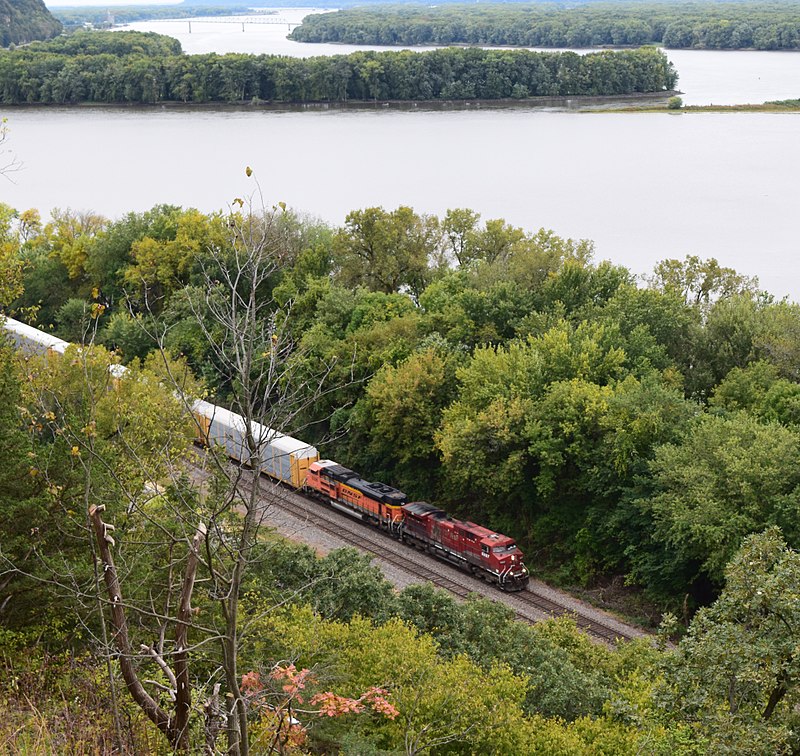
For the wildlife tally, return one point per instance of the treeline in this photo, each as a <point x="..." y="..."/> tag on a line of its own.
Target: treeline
<point x="620" y="431"/>
<point x="127" y="67"/>
<point x="22" y="21"/>
<point x="614" y="429"/>
<point x="713" y="26"/>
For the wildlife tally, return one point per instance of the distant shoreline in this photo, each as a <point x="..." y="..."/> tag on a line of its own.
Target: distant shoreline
<point x="633" y="103"/>
<point x="576" y="103"/>
<point x="766" y="107"/>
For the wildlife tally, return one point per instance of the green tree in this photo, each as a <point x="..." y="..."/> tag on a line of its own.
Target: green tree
<point x="735" y="677"/>
<point x="23" y="503"/>
<point x="443" y="704"/>
<point x="459" y="227"/>
<point x="386" y="251"/>
<point x="729" y="477"/>
<point x="400" y="415"/>
<point x="700" y="281"/>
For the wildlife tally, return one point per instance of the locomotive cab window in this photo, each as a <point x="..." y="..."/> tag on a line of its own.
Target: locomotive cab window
<point x="485" y="550"/>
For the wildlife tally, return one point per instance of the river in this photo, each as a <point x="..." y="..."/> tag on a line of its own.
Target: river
<point x="643" y="186"/>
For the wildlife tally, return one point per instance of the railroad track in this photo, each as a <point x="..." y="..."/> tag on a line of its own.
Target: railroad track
<point x="526" y="604"/>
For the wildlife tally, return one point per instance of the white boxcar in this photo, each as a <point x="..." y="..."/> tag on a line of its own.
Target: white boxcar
<point x="33" y="341"/>
<point x="282" y="457"/>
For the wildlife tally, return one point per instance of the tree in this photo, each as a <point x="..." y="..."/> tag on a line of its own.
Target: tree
<point x="441" y="703"/>
<point x="386" y="251"/>
<point x="120" y="442"/>
<point x="22" y="500"/>
<point x="175" y="726"/>
<point x="250" y="336"/>
<point x="735" y="677"/>
<point x="160" y="266"/>
<point x="71" y="234"/>
<point x="729" y="477"/>
<point x="11" y="270"/>
<point x="103" y="442"/>
<point x="459" y="227"/>
<point x="401" y="414"/>
<point x="700" y="281"/>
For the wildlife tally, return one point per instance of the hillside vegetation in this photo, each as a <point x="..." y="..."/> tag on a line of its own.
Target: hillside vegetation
<point x="23" y="21"/>
<point x="704" y="25"/>
<point x="644" y="434"/>
<point x="613" y="429"/>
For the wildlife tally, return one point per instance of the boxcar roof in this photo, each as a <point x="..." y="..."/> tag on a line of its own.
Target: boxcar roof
<point x="29" y="333"/>
<point x="279" y="441"/>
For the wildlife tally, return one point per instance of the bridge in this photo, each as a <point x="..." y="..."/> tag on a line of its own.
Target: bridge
<point x="249" y="20"/>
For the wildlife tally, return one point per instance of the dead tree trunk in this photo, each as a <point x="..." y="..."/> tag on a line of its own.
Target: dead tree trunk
<point x="173" y="725"/>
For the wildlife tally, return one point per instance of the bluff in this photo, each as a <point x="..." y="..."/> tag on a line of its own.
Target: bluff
<point x="23" y="21"/>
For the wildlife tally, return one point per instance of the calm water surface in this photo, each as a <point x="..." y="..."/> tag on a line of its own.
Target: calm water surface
<point x="643" y="186"/>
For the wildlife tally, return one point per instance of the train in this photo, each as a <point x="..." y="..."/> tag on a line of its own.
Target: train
<point x="473" y="548"/>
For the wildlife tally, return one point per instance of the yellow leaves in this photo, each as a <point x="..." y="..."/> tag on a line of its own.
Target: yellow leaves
<point x="238" y="201"/>
<point x="71" y="234"/>
<point x="10" y="273"/>
<point x="165" y="261"/>
<point x="33" y="472"/>
<point x="248" y="171"/>
<point x="75" y="451"/>
<point x="90" y="430"/>
<point x="97" y="310"/>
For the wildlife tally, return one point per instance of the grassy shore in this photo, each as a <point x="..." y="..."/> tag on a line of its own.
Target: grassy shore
<point x="777" y="106"/>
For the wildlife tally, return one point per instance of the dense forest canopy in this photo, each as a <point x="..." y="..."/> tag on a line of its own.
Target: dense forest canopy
<point x="717" y="26"/>
<point x="503" y="374"/>
<point x="113" y="67"/>
<point x="23" y="21"/>
<point x="618" y="430"/>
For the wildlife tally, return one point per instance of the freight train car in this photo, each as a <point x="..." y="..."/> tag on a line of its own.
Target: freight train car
<point x="31" y="340"/>
<point x="282" y="457"/>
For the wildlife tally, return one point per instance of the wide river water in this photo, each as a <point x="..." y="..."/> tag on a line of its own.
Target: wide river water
<point x="643" y="186"/>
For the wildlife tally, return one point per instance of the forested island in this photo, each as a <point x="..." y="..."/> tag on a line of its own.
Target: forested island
<point x="618" y="430"/>
<point x="705" y="25"/>
<point x="132" y="67"/>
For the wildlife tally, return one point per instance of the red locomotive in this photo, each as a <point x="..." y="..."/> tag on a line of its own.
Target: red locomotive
<point x="471" y="547"/>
